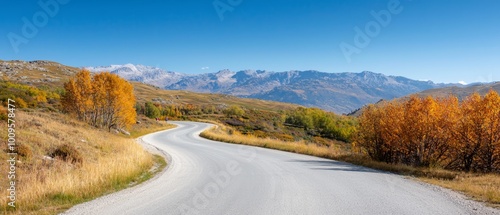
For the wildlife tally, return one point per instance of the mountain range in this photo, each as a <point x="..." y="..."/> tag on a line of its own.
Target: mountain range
<point x="337" y="92"/>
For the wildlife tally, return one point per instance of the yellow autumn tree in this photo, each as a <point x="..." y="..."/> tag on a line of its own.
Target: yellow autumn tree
<point x="394" y="131"/>
<point x="113" y="101"/>
<point x="442" y="135"/>
<point x="414" y="132"/>
<point x="469" y="133"/>
<point x="369" y="136"/>
<point x="427" y="125"/>
<point x="434" y="132"/>
<point x="104" y="100"/>
<point x="77" y="98"/>
<point x="489" y="154"/>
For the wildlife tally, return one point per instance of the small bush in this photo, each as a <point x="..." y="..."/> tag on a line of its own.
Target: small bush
<point x="234" y="110"/>
<point x="234" y="122"/>
<point x="3" y="113"/>
<point x="67" y="153"/>
<point x="20" y="103"/>
<point x="24" y="151"/>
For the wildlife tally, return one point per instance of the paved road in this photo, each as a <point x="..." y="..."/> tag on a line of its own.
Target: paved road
<point x="207" y="177"/>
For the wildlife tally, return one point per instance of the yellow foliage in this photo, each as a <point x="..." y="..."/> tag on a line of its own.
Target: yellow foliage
<point x="104" y="100"/>
<point x="3" y="113"/>
<point x="434" y="132"/>
<point x="20" y="103"/>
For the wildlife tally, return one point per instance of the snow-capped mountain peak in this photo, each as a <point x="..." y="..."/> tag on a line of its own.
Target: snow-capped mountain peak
<point x="339" y="92"/>
<point x="141" y="73"/>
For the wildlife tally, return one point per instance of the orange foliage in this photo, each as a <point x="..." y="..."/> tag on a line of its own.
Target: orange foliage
<point x="478" y="134"/>
<point x="104" y="100"/>
<point x="434" y="132"/>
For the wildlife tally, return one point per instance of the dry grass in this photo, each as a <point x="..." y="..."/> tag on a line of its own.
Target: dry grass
<point x="109" y="162"/>
<point x="484" y="188"/>
<point x="148" y="126"/>
<point x="479" y="187"/>
<point x="224" y="134"/>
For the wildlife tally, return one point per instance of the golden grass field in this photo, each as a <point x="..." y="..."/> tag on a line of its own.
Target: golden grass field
<point x="483" y="188"/>
<point x="109" y="162"/>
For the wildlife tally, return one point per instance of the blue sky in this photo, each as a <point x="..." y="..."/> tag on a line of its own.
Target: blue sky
<point x="442" y="41"/>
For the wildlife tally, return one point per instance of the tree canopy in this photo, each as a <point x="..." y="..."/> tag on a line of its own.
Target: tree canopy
<point x="103" y="100"/>
<point x="434" y="132"/>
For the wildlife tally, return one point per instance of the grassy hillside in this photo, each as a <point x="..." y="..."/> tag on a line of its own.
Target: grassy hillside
<point x="37" y="73"/>
<point x="460" y="92"/>
<point x="146" y="92"/>
<point x="63" y="162"/>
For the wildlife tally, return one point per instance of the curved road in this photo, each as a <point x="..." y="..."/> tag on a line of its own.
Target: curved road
<point x="208" y="177"/>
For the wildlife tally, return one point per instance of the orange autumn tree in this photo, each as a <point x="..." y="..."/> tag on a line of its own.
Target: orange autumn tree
<point x="77" y="99"/>
<point x="414" y="132"/>
<point x="104" y="100"/>
<point x="434" y="132"/>
<point x="478" y="134"/>
<point x="374" y="133"/>
<point x="427" y="127"/>
<point x="489" y="154"/>
<point x="469" y="133"/>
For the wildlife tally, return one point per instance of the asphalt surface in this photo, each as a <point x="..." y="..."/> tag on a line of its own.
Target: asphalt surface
<point x="208" y="177"/>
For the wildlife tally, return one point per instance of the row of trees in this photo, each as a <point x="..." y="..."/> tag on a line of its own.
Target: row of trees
<point x="434" y="132"/>
<point x="319" y="122"/>
<point x="156" y="110"/>
<point x="103" y="100"/>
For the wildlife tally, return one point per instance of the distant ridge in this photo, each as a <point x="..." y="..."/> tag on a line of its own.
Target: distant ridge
<point x="140" y="73"/>
<point x="337" y="92"/>
<point x="462" y="92"/>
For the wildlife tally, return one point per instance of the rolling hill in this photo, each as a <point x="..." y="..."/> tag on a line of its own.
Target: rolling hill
<point x="461" y="92"/>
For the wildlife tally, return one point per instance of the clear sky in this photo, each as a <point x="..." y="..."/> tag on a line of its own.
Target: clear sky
<point x="438" y="40"/>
